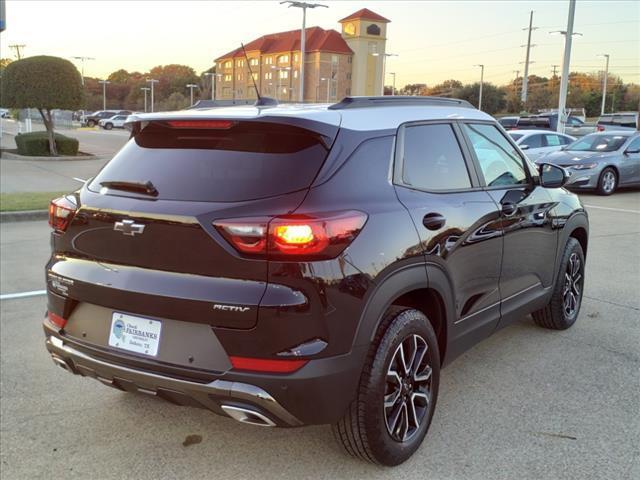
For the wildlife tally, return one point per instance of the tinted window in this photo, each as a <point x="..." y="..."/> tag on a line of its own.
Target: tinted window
<point x="534" y="141"/>
<point x="634" y="145"/>
<point x="565" y="140"/>
<point x="574" y="122"/>
<point x="508" y="122"/>
<point x="498" y="159"/>
<point x="433" y="159"/>
<point x="606" y="120"/>
<point x="625" y="120"/>
<point x="553" y="140"/>
<point x="249" y="160"/>
<point x="516" y="136"/>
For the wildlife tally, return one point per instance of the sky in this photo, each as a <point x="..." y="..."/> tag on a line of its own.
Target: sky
<point x="434" y="40"/>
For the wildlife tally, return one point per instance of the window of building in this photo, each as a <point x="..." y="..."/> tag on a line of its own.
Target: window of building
<point x="240" y="76"/>
<point x="433" y="159"/>
<point x="348" y="76"/>
<point x="254" y="75"/>
<point x="226" y="91"/>
<point x="227" y="77"/>
<point x="295" y="74"/>
<point x="284" y="73"/>
<point x="349" y="59"/>
<point x="499" y="162"/>
<point x="240" y="93"/>
<point x="373" y="29"/>
<point x="334" y="59"/>
<point x="253" y="62"/>
<point x="268" y="60"/>
<point x="295" y="57"/>
<point x="268" y="76"/>
<point x="240" y="63"/>
<point x="228" y="64"/>
<point x="283" y="59"/>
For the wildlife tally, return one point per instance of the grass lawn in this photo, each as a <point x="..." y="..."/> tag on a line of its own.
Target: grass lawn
<point x="13" y="202"/>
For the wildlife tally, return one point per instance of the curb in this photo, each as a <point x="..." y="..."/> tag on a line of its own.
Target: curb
<point x="13" y="156"/>
<point x="24" y="216"/>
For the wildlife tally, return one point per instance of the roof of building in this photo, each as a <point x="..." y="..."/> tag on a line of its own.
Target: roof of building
<point x="366" y="14"/>
<point x="317" y="39"/>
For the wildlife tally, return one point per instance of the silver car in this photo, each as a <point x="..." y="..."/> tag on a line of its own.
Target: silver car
<point x="600" y="161"/>
<point x="537" y="143"/>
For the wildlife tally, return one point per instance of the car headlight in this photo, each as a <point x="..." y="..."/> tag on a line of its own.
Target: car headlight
<point x="585" y="166"/>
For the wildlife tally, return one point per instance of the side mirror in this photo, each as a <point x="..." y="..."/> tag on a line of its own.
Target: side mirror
<point x="552" y="176"/>
<point x="524" y="147"/>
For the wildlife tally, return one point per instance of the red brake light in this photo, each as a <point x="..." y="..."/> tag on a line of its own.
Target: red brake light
<point x="209" y="124"/>
<point x="599" y="128"/>
<point x="61" y="212"/>
<point x="57" y="320"/>
<point x="319" y="236"/>
<point x="267" y="365"/>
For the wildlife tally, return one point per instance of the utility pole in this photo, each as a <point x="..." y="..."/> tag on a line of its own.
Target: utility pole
<point x="82" y="60"/>
<point x="604" y="85"/>
<point x="213" y="84"/>
<point x="525" y="78"/>
<point x="145" y="90"/>
<point x="555" y="67"/>
<point x="152" y="82"/>
<point x="393" y="88"/>
<point x="481" y="82"/>
<point x="191" y="86"/>
<point x="515" y="82"/>
<point x="17" y="49"/>
<point x="303" y="36"/>
<point x="566" y="61"/>
<point x="104" y="93"/>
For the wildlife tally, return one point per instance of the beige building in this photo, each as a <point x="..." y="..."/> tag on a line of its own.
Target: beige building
<point x="336" y="65"/>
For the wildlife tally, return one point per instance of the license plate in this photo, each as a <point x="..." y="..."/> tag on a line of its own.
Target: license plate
<point x="136" y="334"/>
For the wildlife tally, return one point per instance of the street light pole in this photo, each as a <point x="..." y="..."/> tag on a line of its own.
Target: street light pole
<point x="104" y="93"/>
<point x="213" y="84"/>
<point x="303" y="36"/>
<point x="604" y="85"/>
<point x="145" y="90"/>
<point x="191" y="86"/>
<point x="384" y="65"/>
<point x="82" y="60"/>
<point x="393" y="89"/>
<point x="525" y="79"/>
<point x="566" y="61"/>
<point x="481" y="84"/>
<point x="152" y="82"/>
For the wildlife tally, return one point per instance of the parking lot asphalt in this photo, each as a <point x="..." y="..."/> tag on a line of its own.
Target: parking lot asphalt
<point x="527" y="403"/>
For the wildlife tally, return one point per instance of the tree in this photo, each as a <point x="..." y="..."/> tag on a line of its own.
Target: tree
<point x="45" y="83"/>
<point x="414" y="89"/>
<point x="492" y="97"/>
<point x="448" y="88"/>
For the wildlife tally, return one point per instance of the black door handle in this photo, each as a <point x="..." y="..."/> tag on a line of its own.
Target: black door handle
<point x="433" y="221"/>
<point x="509" y="208"/>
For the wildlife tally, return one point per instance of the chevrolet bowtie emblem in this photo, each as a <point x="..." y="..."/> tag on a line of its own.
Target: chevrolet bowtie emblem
<point x="127" y="227"/>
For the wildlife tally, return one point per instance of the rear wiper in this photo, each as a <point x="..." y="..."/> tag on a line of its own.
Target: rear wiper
<point x="146" y="188"/>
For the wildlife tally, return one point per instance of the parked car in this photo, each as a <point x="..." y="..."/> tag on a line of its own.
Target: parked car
<point x="280" y="278"/>
<point x="536" y="143"/>
<point x="93" y="119"/>
<point x="618" y="121"/>
<point x="579" y="113"/>
<point x="5" y="113"/>
<point x="117" y="121"/>
<point x="508" y="123"/>
<point x="601" y="161"/>
<point x="574" y="126"/>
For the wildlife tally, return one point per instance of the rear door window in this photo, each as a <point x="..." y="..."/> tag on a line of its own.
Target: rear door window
<point x="553" y="140"/>
<point x="533" y="141"/>
<point x="245" y="161"/>
<point x="432" y="159"/>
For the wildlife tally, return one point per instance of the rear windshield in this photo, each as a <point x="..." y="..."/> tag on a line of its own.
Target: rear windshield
<point x="598" y="143"/>
<point x="246" y="161"/>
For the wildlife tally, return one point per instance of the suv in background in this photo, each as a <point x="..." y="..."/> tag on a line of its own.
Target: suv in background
<point x="93" y="119"/>
<point x="293" y="265"/>
<point x="117" y="121"/>
<point x="574" y="126"/>
<point x="508" y="123"/>
<point x="620" y="121"/>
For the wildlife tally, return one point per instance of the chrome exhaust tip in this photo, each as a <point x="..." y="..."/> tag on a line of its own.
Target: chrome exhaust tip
<point x="244" y="415"/>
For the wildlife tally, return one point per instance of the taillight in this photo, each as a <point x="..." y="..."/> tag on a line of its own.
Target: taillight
<point x="57" y="320"/>
<point x="320" y="236"/>
<point x="266" y="365"/>
<point x="197" y="124"/>
<point x="61" y="212"/>
<point x="599" y="128"/>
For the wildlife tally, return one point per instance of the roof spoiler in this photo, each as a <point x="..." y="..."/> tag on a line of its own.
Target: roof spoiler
<point x="398" y="101"/>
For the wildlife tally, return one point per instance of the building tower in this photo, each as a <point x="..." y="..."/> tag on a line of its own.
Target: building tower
<point x="366" y="34"/>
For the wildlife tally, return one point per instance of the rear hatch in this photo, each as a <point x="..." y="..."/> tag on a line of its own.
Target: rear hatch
<point x="142" y="241"/>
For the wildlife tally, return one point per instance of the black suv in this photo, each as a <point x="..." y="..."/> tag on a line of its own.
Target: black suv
<point x="295" y="265"/>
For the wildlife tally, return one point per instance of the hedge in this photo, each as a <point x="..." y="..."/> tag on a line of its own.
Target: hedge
<point x="37" y="144"/>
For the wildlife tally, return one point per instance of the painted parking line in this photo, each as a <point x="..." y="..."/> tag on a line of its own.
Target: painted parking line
<point x="34" y="293"/>
<point x="637" y="212"/>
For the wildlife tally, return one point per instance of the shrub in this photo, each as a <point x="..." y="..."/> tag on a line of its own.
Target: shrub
<point x="37" y="144"/>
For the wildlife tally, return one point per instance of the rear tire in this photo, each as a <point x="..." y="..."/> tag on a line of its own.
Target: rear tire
<point x="608" y="181"/>
<point x="108" y="126"/>
<point x="396" y="398"/>
<point x="91" y="123"/>
<point x="563" y="309"/>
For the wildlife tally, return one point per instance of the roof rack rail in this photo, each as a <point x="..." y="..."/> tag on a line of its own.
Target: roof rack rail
<point x="396" y="101"/>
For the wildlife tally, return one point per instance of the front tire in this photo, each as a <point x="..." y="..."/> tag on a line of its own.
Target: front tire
<point x="563" y="309"/>
<point x="398" y="391"/>
<point x="108" y="126"/>
<point x="608" y="181"/>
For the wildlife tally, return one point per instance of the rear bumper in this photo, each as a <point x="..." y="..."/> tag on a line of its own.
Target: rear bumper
<point x="317" y="394"/>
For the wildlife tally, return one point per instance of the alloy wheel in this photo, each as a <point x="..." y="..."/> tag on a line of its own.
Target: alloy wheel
<point x="408" y="388"/>
<point x="608" y="181"/>
<point x="572" y="292"/>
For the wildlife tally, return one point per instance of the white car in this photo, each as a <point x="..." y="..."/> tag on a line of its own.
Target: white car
<point x="117" y="121"/>
<point x="537" y="143"/>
